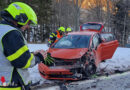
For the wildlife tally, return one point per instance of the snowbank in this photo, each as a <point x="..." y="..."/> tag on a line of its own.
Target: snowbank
<point x="119" y="61"/>
<point x="34" y="73"/>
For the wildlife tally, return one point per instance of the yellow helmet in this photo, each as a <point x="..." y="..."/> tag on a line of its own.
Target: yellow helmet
<point x="61" y="29"/>
<point x="22" y="13"/>
<point x="68" y="29"/>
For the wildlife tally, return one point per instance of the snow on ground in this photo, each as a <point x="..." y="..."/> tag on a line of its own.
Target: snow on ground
<point x="119" y="61"/>
<point x="34" y="73"/>
<point x="34" y="47"/>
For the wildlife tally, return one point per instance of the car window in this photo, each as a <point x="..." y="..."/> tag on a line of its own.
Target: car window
<point x="107" y="37"/>
<point x="91" y="26"/>
<point x="95" y="41"/>
<point x="73" y="41"/>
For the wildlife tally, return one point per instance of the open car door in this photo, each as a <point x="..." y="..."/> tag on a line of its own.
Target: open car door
<point x="108" y="46"/>
<point x="103" y="46"/>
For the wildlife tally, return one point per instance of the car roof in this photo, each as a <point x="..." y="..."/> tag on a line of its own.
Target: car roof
<point x="82" y="33"/>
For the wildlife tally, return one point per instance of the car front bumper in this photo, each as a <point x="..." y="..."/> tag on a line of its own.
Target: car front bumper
<point x="56" y="73"/>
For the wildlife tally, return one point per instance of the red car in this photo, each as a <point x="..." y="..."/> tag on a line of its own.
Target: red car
<point x="78" y="54"/>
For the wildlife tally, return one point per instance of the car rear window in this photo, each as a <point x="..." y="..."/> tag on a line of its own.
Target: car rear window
<point x="73" y="41"/>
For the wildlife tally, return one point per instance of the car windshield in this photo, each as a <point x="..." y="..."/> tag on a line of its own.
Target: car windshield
<point x="91" y="26"/>
<point x="73" y="41"/>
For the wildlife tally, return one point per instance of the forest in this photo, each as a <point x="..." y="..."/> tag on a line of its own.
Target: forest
<point x="114" y="14"/>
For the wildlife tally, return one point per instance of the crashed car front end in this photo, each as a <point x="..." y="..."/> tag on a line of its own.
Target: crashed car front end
<point x="64" y="70"/>
<point x="68" y="54"/>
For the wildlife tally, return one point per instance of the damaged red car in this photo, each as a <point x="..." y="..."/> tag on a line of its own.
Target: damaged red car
<point x="77" y="55"/>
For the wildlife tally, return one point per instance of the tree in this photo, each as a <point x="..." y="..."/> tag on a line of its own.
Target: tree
<point x="66" y="13"/>
<point x="94" y="11"/>
<point x="121" y="21"/>
<point x="77" y="5"/>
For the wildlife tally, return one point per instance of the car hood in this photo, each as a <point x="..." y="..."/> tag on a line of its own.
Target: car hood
<point x="68" y="53"/>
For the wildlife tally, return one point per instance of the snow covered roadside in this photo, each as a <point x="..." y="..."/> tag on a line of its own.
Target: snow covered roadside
<point x="120" y="61"/>
<point x="34" y="73"/>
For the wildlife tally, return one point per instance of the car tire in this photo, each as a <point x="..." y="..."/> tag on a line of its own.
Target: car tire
<point x="90" y="68"/>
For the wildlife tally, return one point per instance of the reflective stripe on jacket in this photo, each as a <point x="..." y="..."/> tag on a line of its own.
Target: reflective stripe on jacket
<point x="10" y="59"/>
<point x="15" y="88"/>
<point x="54" y="36"/>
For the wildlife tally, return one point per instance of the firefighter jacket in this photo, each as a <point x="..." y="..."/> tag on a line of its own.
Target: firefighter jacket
<point x="54" y="36"/>
<point x="15" y="57"/>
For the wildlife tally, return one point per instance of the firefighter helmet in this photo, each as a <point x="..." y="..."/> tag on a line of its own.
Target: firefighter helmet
<point x="68" y="29"/>
<point x="22" y="13"/>
<point x="61" y="29"/>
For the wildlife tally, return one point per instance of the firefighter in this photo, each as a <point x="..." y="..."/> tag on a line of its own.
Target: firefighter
<point x="15" y="57"/>
<point x="54" y="36"/>
<point x="68" y="30"/>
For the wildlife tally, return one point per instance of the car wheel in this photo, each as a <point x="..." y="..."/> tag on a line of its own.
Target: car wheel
<point x="90" y="68"/>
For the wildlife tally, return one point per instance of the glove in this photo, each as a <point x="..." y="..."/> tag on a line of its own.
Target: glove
<point x="40" y="56"/>
<point x="48" y="60"/>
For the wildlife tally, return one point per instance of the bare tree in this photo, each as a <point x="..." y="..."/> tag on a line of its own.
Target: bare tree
<point x="121" y="21"/>
<point x="77" y="5"/>
<point x="67" y="13"/>
<point x="95" y="12"/>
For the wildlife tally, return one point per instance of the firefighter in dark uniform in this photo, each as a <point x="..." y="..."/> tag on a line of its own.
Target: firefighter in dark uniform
<point x="54" y="36"/>
<point x="15" y="57"/>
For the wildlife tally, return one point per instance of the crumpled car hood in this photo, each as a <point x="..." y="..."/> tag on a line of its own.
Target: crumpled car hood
<point x="68" y="53"/>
